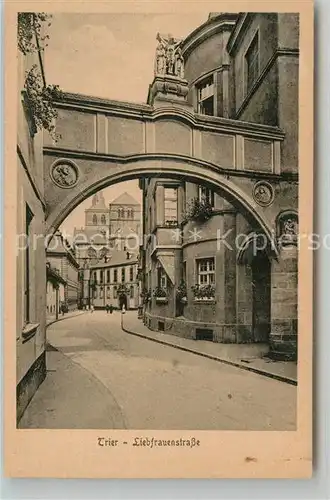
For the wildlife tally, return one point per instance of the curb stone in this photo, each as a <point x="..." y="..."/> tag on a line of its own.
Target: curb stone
<point x="258" y="371"/>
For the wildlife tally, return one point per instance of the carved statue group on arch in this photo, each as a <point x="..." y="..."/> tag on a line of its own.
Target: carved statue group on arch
<point x="169" y="60"/>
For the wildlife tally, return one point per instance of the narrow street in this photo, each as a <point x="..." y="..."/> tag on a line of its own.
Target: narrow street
<point x="101" y="377"/>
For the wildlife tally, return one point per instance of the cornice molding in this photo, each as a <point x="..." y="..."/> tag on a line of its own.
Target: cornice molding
<point x="202" y="122"/>
<point x="230" y="172"/>
<point x="222" y="22"/>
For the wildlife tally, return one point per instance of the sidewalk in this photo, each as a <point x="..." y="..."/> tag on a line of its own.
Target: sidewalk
<point x="52" y="319"/>
<point x="71" y="398"/>
<point x="239" y="355"/>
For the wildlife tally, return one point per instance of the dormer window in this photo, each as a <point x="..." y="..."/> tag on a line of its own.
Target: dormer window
<point x="205" y="96"/>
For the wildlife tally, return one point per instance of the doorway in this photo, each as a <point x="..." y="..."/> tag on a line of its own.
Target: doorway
<point x="122" y="301"/>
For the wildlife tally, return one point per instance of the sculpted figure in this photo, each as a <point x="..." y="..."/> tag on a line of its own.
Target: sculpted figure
<point x="179" y="64"/>
<point x="289" y="227"/>
<point x="160" y="62"/>
<point x="167" y="61"/>
<point x="63" y="175"/>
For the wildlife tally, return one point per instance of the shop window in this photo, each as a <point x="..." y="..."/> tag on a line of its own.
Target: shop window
<point x="252" y="62"/>
<point x="205" y="271"/>
<point x="171" y="206"/>
<point x="205" y="97"/>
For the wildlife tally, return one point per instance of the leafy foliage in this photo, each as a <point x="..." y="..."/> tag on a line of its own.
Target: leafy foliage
<point x="203" y="291"/>
<point x="40" y="101"/>
<point x="29" y="31"/>
<point x="198" y="210"/>
<point x="181" y="290"/>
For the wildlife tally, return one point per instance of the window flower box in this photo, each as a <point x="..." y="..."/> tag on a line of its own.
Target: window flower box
<point x="198" y="210"/>
<point x="203" y="292"/>
<point x="161" y="300"/>
<point x="160" y="295"/>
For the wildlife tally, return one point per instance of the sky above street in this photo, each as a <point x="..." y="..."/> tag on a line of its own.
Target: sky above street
<point x="112" y="56"/>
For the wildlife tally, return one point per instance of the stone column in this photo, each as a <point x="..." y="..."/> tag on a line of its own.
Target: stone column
<point x="160" y="205"/>
<point x="226" y="276"/>
<point x="284" y="293"/>
<point x="244" y="295"/>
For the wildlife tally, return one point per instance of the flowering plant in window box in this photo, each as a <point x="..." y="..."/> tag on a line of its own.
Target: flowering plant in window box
<point x="203" y="292"/>
<point x="181" y="292"/>
<point x="198" y="210"/>
<point x="160" y="294"/>
<point x="145" y="295"/>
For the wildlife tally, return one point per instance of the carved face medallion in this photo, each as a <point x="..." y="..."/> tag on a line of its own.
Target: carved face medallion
<point x="64" y="174"/>
<point x="263" y="193"/>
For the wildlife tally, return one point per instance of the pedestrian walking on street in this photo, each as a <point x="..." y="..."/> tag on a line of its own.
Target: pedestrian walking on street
<point x="62" y="309"/>
<point x="107" y="308"/>
<point x="92" y="308"/>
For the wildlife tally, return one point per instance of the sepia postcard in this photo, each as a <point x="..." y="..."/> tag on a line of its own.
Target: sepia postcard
<point x="158" y="239"/>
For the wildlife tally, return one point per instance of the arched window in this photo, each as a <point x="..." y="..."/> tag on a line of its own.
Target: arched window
<point x="103" y="220"/>
<point x="95" y="220"/>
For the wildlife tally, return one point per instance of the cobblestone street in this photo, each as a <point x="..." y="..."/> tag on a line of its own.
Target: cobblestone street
<point x="101" y="377"/>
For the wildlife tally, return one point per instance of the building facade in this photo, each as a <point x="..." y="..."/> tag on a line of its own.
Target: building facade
<point x="108" y="257"/>
<point x="210" y="271"/>
<point x="30" y="258"/>
<point x="61" y="256"/>
<point x="92" y="240"/>
<point x="114" y="282"/>
<point x="55" y="292"/>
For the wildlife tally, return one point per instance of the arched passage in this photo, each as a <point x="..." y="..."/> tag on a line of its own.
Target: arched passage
<point x="170" y="166"/>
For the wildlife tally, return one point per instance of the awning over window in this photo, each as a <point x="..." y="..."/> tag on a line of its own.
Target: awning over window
<point x="167" y="261"/>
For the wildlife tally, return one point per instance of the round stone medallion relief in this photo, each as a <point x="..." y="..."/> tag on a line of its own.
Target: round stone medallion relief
<point x="263" y="193"/>
<point x="64" y="173"/>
